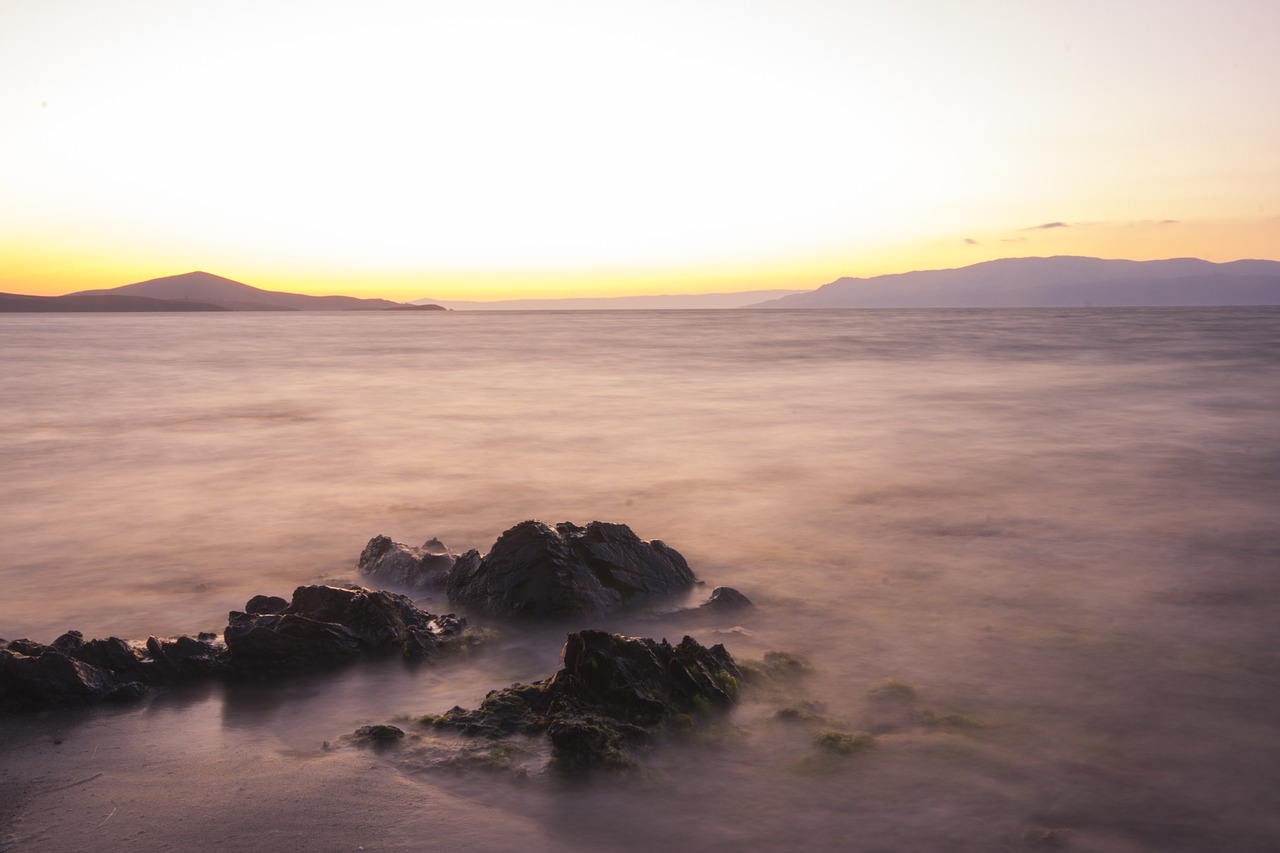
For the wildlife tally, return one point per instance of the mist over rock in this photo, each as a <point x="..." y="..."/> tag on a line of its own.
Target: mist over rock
<point x="1056" y="282"/>
<point x="321" y="626"/>
<point x="611" y="691"/>
<point x="537" y="570"/>
<point x="426" y="567"/>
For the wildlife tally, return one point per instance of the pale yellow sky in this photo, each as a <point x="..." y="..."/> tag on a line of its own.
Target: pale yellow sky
<point x="503" y="148"/>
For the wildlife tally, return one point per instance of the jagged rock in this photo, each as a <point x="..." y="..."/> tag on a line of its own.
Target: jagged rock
<point x="51" y="678"/>
<point x="611" y="691"/>
<point x="68" y="642"/>
<point x="406" y="566"/>
<point x="182" y="658"/>
<point x="535" y="570"/>
<point x="112" y="653"/>
<point x="27" y="647"/>
<point x="321" y="625"/>
<point x="726" y="598"/>
<point x="326" y="624"/>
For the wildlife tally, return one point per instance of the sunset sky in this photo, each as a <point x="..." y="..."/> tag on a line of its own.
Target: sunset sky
<point x="485" y="149"/>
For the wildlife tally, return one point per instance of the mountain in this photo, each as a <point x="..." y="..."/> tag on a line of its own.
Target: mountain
<point x="616" y="303"/>
<point x="95" y="302"/>
<point x="1057" y="282"/>
<point x="236" y="296"/>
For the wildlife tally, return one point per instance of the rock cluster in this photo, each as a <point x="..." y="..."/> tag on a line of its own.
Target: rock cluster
<point x="537" y="570"/>
<point x="321" y="626"/>
<point x="534" y="569"/>
<point x="611" y="691"/>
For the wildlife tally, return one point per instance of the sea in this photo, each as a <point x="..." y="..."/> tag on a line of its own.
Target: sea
<point x="1034" y="555"/>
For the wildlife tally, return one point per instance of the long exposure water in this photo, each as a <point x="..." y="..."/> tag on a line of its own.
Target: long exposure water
<point x="1052" y="533"/>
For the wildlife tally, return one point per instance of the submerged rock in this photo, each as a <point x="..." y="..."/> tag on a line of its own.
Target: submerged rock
<point x="726" y="598"/>
<point x="610" y="691"/>
<point x="537" y="570"/>
<point x="404" y="565"/>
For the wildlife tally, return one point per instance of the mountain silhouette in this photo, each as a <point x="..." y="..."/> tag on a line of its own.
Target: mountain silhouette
<point x="231" y="295"/>
<point x="15" y="303"/>
<point x="1056" y="282"/>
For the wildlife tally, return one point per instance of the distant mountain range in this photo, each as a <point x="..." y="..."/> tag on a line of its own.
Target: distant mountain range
<point x="196" y="291"/>
<point x="1058" y="282"/>
<point x="1055" y="282"/>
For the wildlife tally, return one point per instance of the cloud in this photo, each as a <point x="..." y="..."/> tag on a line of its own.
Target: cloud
<point x="969" y="241"/>
<point x="1046" y="226"/>
<point x="1014" y="240"/>
<point x="1168" y="222"/>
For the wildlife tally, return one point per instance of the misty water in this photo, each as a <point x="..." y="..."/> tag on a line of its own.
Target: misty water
<point x="1052" y="533"/>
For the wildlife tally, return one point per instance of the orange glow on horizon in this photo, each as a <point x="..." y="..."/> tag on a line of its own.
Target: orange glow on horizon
<point x="568" y="148"/>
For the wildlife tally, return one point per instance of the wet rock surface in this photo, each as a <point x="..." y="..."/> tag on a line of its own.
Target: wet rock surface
<point x="400" y="565"/>
<point x="537" y="570"/>
<point x="51" y="678"/>
<point x="321" y="626"/>
<point x="726" y="598"/>
<point x="327" y="624"/>
<point x="611" y="693"/>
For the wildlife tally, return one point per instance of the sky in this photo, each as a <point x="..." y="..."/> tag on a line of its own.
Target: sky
<point x="494" y="149"/>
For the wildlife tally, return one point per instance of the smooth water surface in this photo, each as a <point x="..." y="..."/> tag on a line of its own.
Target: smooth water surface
<point x="1053" y="530"/>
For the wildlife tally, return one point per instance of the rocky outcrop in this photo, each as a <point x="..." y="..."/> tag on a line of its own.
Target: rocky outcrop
<point x="51" y="678"/>
<point x="321" y="626"/>
<point x="71" y="671"/>
<point x="537" y="570"/>
<point x="611" y="692"/>
<point x="327" y="624"/>
<point x="405" y="566"/>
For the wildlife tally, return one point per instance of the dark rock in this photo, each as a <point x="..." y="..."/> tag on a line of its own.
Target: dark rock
<point x="327" y="624"/>
<point x="52" y="679"/>
<point x="405" y="566"/>
<point x="535" y="570"/>
<point x="726" y="598"/>
<point x="112" y="654"/>
<point x="68" y="642"/>
<point x="611" y="691"/>
<point x="183" y="658"/>
<point x="266" y="604"/>
<point x="30" y="648"/>
<point x="378" y="733"/>
<point x="321" y="625"/>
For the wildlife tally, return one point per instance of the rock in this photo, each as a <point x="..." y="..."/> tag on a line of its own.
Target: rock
<point x="378" y="734"/>
<point x="321" y="625"/>
<point x="27" y="647"/>
<point x="183" y="658"/>
<point x="113" y="654"/>
<point x="326" y="624"/>
<point x="402" y="565"/>
<point x="51" y="678"/>
<point x="535" y="570"/>
<point x="266" y="604"/>
<point x="726" y="598"/>
<point x="610" y="691"/>
<point x="68" y="642"/>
